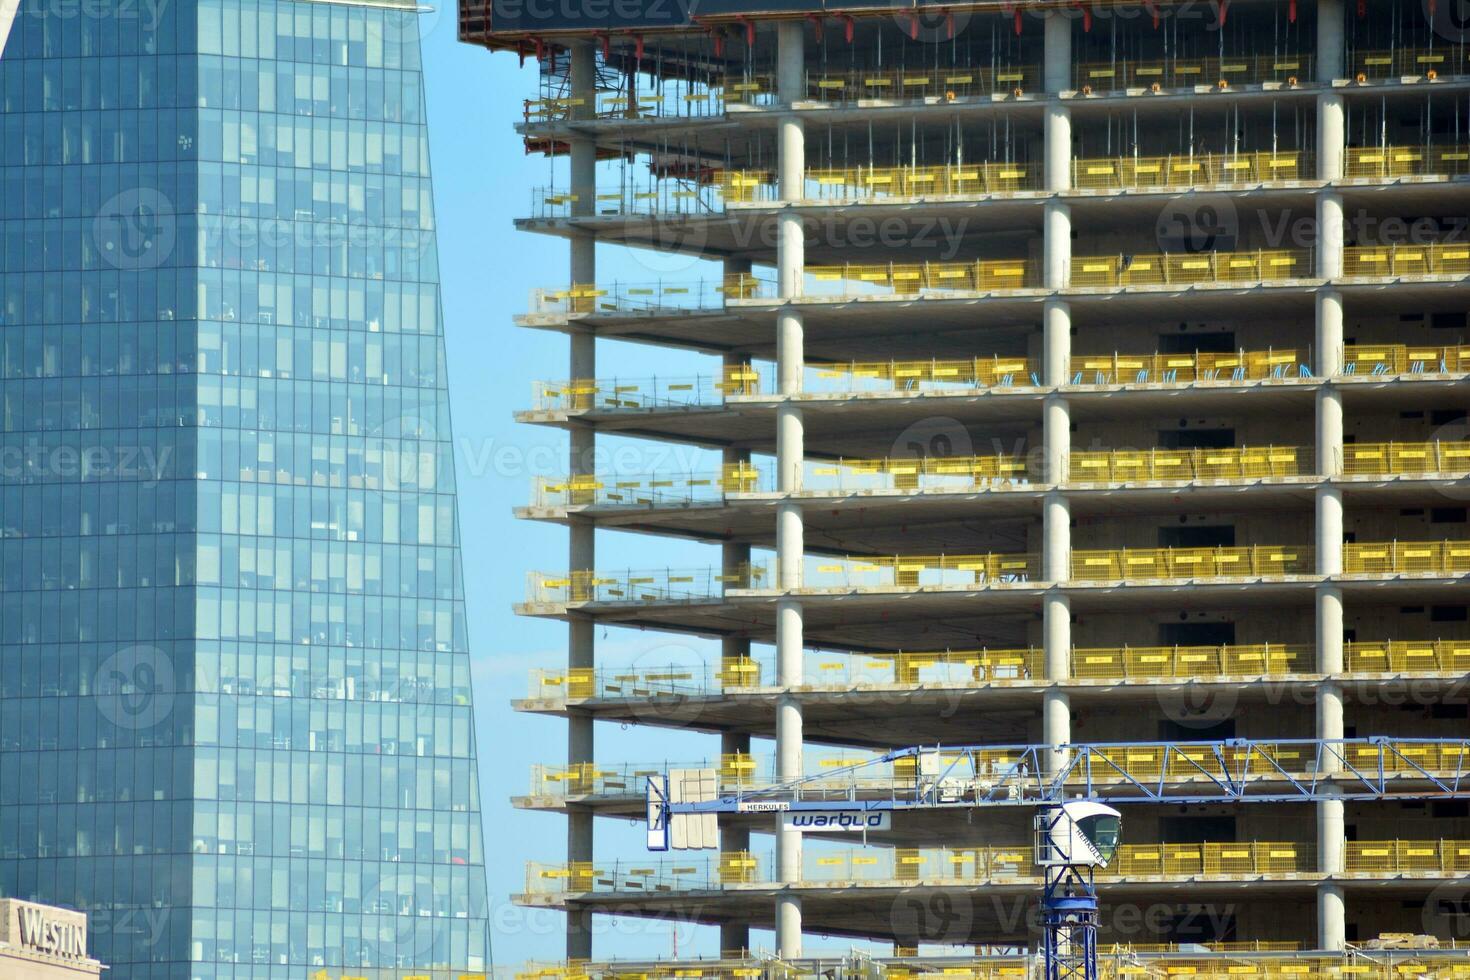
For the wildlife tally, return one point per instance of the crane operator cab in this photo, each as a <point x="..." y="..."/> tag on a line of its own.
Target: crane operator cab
<point x="1078" y="834"/>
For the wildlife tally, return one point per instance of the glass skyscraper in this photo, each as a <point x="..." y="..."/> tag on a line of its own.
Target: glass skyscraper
<point x="235" y="719"/>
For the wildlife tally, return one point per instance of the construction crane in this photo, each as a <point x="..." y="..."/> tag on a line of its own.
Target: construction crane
<point x="1074" y="787"/>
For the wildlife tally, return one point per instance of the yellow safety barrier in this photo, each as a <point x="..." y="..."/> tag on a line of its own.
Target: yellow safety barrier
<point x="906" y="279"/>
<point x="587" y="394"/>
<point x="1411" y="758"/>
<point x="618" y="297"/>
<point x="644" y="491"/>
<point x="969" y="180"/>
<point x="1191" y="662"/>
<point x="1192" y="268"/>
<point x="1381" y="162"/>
<point x="909" y="474"/>
<point x="1392" y="359"/>
<point x="1410" y="63"/>
<point x="1112" y="369"/>
<point x="961" y="668"/>
<point x="745" y="186"/>
<point x="1407" y="558"/>
<point x="656" y="585"/>
<point x="1131" y="961"/>
<point x="918" y="571"/>
<point x="1377" y="262"/>
<point x="1408" y="656"/>
<point x="1190" y="72"/>
<point x="1405" y="458"/>
<point x="1260" y="561"/>
<point x="919" y="83"/>
<point x="1193" y="170"/>
<point x="1430" y="858"/>
<point x="978" y="372"/>
<point x="1002" y="862"/>
<point x="857" y="772"/>
<point x="1180" y="465"/>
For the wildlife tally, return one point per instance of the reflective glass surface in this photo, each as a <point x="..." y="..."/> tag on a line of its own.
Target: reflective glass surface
<point x="235" y="720"/>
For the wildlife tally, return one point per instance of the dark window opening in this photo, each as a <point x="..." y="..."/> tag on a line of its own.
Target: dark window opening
<point x="1216" y="342"/>
<point x="1197" y="438"/>
<point x="1196" y="634"/>
<point x="1198" y="536"/>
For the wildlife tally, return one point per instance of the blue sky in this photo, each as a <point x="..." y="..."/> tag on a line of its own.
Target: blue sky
<point x="483" y="181"/>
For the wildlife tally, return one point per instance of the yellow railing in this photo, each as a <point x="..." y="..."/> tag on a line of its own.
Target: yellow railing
<point x="588" y="394"/>
<point x="1433" y="858"/>
<point x="1115" y="369"/>
<point x="1189" y="72"/>
<point x="884" y="572"/>
<point x="1405" y="458"/>
<point x="903" y="279"/>
<point x="977" y="372"/>
<point x="977" y="668"/>
<point x="1407" y="656"/>
<point x="1153" y="465"/>
<point x="644" y="491"/>
<point x="1407" y="558"/>
<point x="745" y="186"/>
<point x="1264" y="659"/>
<point x="968" y="180"/>
<point x="1192" y="268"/>
<point x="1193" y="170"/>
<point x="929" y="473"/>
<point x="993" y="863"/>
<point x="1117" y="962"/>
<point x="1260" y="561"/>
<point x="1407" y="62"/>
<point x="919" y="83"/>
<point x="1407" y="161"/>
<point x="1391" y="359"/>
<point x="652" y="585"/>
<point x="1107" y="764"/>
<point x="1375" y="262"/>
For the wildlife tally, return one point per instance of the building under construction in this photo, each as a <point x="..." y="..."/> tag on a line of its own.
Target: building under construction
<point x="1084" y="373"/>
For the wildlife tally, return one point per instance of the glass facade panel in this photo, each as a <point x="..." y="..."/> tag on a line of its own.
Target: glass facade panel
<point x="235" y="719"/>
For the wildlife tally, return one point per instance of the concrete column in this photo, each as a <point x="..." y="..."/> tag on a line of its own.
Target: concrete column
<point x="1057" y="54"/>
<point x="734" y="936"/>
<point x="790" y="450"/>
<point x="581" y="552"/>
<point x="1056" y="263"/>
<point x="1057" y="218"/>
<point x="1331" y="916"/>
<point x="1331" y="835"/>
<point x="1056" y="330"/>
<point x="1056" y="567"/>
<point x="1056" y="521"/>
<point x="1331" y="57"/>
<point x="1331" y="40"/>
